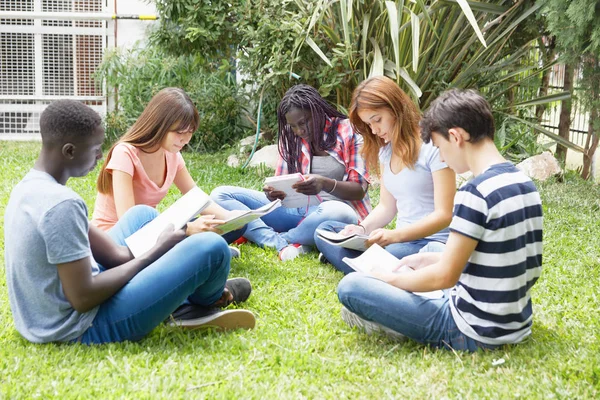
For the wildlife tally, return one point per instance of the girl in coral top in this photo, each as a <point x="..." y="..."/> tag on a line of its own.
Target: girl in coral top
<point x="141" y="167"/>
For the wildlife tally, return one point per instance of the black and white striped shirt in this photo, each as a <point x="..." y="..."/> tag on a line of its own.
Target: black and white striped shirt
<point x="501" y="209"/>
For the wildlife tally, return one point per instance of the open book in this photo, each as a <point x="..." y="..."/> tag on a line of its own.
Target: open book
<point x="355" y="241"/>
<point x="248" y="216"/>
<point x="292" y="198"/>
<point x="179" y="213"/>
<point x="377" y="258"/>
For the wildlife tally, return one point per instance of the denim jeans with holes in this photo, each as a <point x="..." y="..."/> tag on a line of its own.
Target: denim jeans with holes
<point x="419" y="318"/>
<point x="283" y="226"/>
<point x="194" y="270"/>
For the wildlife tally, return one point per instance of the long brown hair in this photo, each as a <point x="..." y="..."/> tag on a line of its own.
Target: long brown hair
<point x="170" y="110"/>
<point x="377" y="93"/>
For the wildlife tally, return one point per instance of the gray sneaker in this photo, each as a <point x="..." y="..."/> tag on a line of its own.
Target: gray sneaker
<point x="195" y="317"/>
<point x="369" y="327"/>
<point x="234" y="251"/>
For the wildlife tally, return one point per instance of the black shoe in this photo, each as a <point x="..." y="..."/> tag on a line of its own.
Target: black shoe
<point x="322" y="259"/>
<point x="240" y="289"/>
<point x="191" y="316"/>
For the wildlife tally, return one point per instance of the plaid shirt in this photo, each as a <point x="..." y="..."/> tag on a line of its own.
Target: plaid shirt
<point x="346" y="152"/>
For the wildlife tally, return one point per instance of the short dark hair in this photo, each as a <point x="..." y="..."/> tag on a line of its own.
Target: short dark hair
<point x="63" y="120"/>
<point x="458" y="108"/>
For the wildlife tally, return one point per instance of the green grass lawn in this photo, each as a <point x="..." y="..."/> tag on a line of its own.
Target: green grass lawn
<point x="302" y="349"/>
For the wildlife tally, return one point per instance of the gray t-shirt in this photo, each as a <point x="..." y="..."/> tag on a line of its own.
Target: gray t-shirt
<point x="328" y="167"/>
<point x="413" y="188"/>
<point x="45" y="224"/>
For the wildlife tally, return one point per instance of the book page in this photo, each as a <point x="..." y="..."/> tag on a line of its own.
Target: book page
<point x="239" y="221"/>
<point x="178" y="214"/>
<point x="376" y="257"/>
<point x="292" y="198"/>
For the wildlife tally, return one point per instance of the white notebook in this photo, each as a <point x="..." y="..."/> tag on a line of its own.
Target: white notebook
<point x="292" y="198"/>
<point x="240" y="220"/>
<point x="179" y="213"/>
<point x="376" y="257"/>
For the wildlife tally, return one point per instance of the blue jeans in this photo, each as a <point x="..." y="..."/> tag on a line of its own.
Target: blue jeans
<point x="335" y="254"/>
<point x="284" y="225"/>
<point x="425" y="320"/>
<point x="194" y="270"/>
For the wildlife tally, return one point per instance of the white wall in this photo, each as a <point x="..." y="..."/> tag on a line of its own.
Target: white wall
<point x="129" y="31"/>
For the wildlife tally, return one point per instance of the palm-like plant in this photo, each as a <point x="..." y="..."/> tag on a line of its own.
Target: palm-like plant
<point x="427" y="46"/>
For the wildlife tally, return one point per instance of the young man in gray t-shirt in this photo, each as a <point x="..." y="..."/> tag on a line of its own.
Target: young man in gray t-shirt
<point x="56" y="289"/>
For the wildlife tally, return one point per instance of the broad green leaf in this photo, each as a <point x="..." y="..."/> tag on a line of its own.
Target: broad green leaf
<point x="471" y="18"/>
<point x="545" y="99"/>
<point x="567" y="143"/>
<point x="344" y="12"/>
<point x="317" y="50"/>
<point x="393" y="20"/>
<point x="479" y="6"/>
<point x="415" y="40"/>
<point x="377" y="64"/>
<point x="412" y="84"/>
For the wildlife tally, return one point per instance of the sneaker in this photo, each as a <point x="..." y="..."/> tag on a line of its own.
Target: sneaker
<point x="235" y="252"/>
<point x="369" y="327"/>
<point x="322" y="259"/>
<point x="196" y="317"/>
<point x="292" y="251"/>
<point x="240" y="289"/>
<point x="241" y="240"/>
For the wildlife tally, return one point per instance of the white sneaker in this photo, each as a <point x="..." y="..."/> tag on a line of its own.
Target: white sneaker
<point x="292" y="251"/>
<point x="235" y="252"/>
<point x="369" y="327"/>
<point x="222" y="320"/>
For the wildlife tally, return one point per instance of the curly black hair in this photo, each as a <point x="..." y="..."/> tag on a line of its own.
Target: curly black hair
<point x="64" y="120"/>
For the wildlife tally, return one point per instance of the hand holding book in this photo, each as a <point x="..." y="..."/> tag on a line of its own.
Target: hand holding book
<point x="380" y="264"/>
<point x="204" y="223"/>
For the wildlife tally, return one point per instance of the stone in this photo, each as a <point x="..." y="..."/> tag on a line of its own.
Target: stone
<point x="267" y="155"/>
<point x="540" y="167"/>
<point x="247" y="143"/>
<point x="233" y="161"/>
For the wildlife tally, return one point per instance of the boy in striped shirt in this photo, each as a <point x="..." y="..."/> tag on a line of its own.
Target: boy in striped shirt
<point x="492" y="258"/>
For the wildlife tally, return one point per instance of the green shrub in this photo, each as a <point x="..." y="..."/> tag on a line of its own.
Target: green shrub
<point x="137" y="75"/>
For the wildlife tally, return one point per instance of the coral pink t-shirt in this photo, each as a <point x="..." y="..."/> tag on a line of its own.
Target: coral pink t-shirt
<point x="125" y="158"/>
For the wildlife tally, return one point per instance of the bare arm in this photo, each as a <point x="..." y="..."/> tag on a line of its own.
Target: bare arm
<point x="105" y="250"/>
<point x="443" y="274"/>
<point x="443" y="197"/>
<point x="383" y="213"/>
<point x="85" y="291"/>
<point x="344" y="190"/>
<point x="122" y="185"/>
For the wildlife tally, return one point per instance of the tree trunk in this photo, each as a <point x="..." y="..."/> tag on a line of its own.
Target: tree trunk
<point x="564" y="122"/>
<point x="547" y="52"/>
<point x="591" y="144"/>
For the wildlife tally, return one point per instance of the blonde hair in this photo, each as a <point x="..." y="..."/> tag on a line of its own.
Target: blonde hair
<point x="379" y="93"/>
<point x="170" y="110"/>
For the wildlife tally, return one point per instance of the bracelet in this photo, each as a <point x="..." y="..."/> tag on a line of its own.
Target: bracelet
<point x="362" y="226"/>
<point x="334" y="185"/>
